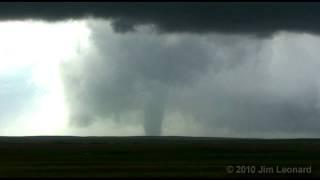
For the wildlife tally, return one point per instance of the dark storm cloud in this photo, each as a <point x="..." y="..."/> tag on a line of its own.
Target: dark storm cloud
<point x="219" y="81"/>
<point x="260" y="19"/>
<point x="224" y="80"/>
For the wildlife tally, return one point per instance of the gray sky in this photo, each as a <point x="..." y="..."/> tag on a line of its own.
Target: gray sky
<point x="233" y="70"/>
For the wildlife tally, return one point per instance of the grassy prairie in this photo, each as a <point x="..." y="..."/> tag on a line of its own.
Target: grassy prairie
<point x="164" y="156"/>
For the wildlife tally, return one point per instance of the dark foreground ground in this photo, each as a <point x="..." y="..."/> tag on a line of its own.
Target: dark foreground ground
<point x="155" y="157"/>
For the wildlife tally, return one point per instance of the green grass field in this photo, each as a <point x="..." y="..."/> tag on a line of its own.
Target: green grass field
<point x="153" y="156"/>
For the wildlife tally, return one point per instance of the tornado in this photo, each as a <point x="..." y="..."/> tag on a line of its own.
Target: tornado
<point x="154" y="110"/>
